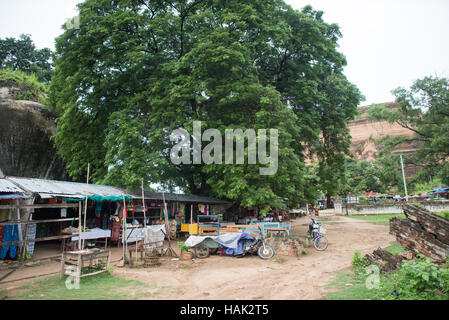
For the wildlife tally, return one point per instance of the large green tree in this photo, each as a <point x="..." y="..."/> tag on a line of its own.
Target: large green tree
<point x="423" y="109"/>
<point x="136" y="70"/>
<point x="21" y="54"/>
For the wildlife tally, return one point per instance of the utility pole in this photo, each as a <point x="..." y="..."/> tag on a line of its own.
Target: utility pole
<point x="403" y="177"/>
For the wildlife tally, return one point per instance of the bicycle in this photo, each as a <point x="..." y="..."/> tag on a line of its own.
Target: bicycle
<point x="317" y="232"/>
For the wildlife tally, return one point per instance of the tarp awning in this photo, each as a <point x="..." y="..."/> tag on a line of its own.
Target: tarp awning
<point x="12" y="196"/>
<point x="97" y="198"/>
<point x="75" y="191"/>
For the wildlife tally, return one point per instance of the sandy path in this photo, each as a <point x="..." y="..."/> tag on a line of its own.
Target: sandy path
<point x="231" y="278"/>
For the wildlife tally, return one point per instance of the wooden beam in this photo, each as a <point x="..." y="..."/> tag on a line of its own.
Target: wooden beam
<point x="9" y="223"/>
<point x="30" y="262"/>
<point x="41" y="206"/>
<point x="39" y="239"/>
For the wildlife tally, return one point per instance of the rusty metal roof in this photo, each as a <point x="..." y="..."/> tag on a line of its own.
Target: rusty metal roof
<point x="8" y="186"/>
<point x="176" y="197"/>
<point x="52" y="188"/>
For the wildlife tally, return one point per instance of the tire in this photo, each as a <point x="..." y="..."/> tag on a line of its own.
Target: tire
<point x="266" y="254"/>
<point x="201" y="252"/>
<point x="320" y="243"/>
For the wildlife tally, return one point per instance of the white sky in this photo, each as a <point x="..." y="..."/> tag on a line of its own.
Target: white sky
<point x="388" y="43"/>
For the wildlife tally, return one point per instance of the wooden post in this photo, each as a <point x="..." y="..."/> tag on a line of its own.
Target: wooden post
<point x="125" y="246"/>
<point x="79" y="224"/>
<point x="137" y="229"/>
<point x="85" y="206"/>
<point x="167" y="227"/>
<point x="25" y="245"/>
<point x="144" y="208"/>
<point x="25" y="240"/>
<point x="191" y="218"/>
<point x="62" y="267"/>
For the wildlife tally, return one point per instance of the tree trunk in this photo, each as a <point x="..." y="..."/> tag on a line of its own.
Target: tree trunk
<point x="328" y="201"/>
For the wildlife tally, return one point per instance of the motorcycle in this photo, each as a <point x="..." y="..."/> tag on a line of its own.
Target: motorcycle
<point x="317" y="233"/>
<point x="259" y="247"/>
<point x="249" y="246"/>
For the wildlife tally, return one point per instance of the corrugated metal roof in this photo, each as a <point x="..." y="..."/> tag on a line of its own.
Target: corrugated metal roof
<point x="176" y="197"/>
<point x="8" y="186"/>
<point x="52" y="188"/>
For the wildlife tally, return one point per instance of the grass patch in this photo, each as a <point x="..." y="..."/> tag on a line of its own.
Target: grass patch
<point x="347" y="286"/>
<point x="395" y="248"/>
<point x="418" y="279"/>
<point x="444" y="214"/>
<point x="380" y="219"/>
<point x="3" y="293"/>
<point x="31" y="88"/>
<point x="99" y="287"/>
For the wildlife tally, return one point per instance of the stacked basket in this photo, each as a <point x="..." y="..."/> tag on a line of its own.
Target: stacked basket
<point x="151" y="259"/>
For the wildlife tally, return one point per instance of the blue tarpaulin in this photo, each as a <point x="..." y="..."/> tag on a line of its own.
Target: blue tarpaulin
<point x="239" y="250"/>
<point x="442" y="190"/>
<point x="231" y="242"/>
<point x="12" y="196"/>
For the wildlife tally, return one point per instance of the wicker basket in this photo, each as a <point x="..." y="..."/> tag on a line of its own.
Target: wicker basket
<point x="186" y="255"/>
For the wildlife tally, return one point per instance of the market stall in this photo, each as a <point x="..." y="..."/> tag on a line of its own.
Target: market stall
<point x="50" y="211"/>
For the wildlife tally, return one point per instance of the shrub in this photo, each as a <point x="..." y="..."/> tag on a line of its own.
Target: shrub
<point x="444" y="214"/>
<point x="31" y="88"/>
<point x="359" y="263"/>
<point x="421" y="279"/>
<point x="182" y="246"/>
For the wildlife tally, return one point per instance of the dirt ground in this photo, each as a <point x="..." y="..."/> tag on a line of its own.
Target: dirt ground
<point x="229" y="278"/>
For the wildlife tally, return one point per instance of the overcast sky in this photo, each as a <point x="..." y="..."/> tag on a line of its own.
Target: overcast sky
<point x="387" y="43"/>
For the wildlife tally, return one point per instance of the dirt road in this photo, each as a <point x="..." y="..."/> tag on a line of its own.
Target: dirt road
<point x="230" y="278"/>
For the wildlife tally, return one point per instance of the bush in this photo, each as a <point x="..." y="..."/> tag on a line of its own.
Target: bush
<point x="31" y="88"/>
<point x="359" y="263"/>
<point x="419" y="279"/>
<point x="444" y="214"/>
<point x="182" y="246"/>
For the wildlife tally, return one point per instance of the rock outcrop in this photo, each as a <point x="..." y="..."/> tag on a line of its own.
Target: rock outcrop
<point x="26" y="128"/>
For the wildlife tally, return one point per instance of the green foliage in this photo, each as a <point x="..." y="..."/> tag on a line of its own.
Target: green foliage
<point x="419" y="184"/>
<point x="362" y="176"/>
<point x="21" y="54"/>
<point x="444" y="214"/>
<point x="102" y="286"/>
<point x="348" y="286"/>
<point x="421" y="275"/>
<point x="423" y="109"/>
<point x="31" y="87"/>
<point x="137" y="70"/>
<point x="395" y="248"/>
<point x="182" y="246"/>
<point x="359" y="262"/>
<point x="381" y="219"/>
<point x="419" y="279"/>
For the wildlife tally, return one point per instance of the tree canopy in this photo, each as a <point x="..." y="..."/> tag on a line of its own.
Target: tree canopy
<point x="21" y="54"/>
<point x="136" y="70"/>
<point x="423" y="109"/>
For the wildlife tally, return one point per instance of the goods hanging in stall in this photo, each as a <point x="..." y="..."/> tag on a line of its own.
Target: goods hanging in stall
<point x="46" y="210"/>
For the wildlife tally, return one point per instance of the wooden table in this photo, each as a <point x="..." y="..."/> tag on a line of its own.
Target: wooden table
<point x="72" y="262"/>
